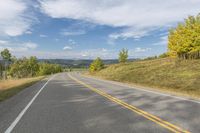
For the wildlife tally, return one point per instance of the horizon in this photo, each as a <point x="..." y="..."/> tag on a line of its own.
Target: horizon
<point x="68" y="29"/>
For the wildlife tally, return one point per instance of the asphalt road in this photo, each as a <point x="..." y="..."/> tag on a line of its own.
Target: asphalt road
<point x="71" y="103"/>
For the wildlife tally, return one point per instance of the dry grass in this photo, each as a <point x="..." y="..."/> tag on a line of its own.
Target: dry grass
<point x="10" y="87"/>
<point x="179" y="76"/>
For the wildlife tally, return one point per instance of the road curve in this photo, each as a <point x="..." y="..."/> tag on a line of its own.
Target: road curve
<point x="69" y="102"/>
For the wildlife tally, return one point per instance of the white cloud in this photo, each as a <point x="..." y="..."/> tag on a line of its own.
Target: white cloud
<point x="104" y="50"/>
<point x="129" y="33"/>
<point x="30" y="45"/>
<point x="67" y="48"/>
<point x="28" y="32"/>
<point x="73" y="33"/>
<point x="70" y="45"/>
<point x="70" y="54"/>
<point x="3" y="42"/>
<point x="93" y="53"/>
<point x="163" y="41"/>
<point x="137" y="17"/>
<point x="72" y="42"/>
<point x="136" y="34"/>
<point x="78" y="54"/>
<point x="14" y="18"/>
<point x="139" y="50"/>
<point x="57" y="39"/>
<point x="19" y="47"/>
<point x="43" y="36"/>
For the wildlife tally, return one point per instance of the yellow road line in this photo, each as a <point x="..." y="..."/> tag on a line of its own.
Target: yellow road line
<point x="145" y="114"/>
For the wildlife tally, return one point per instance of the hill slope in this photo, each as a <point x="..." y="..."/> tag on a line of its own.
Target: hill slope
<point x="166" y="74"/>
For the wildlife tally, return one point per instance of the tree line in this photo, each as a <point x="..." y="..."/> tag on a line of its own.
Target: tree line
<point x="11" y="67"/>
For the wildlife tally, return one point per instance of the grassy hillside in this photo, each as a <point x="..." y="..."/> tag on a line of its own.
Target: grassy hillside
<point x="11" y="87"/>
<point x="182" y="76"/>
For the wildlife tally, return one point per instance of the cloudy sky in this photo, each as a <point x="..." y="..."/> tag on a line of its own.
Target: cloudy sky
<point x="90" y="28"/>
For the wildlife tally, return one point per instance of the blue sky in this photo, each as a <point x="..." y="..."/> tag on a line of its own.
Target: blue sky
<point x="86" y="29"/>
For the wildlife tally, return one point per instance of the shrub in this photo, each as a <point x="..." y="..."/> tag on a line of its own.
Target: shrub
<point x="24" y="67"/>
<point x="164" y="55"/>
<point x="29" y="67"/>
<point x="123" y="55"/>
<point x="46" y="68"/>
<point x="96" y="65"/>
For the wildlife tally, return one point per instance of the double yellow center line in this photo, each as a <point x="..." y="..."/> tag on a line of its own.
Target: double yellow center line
<point x="145" y="114"/>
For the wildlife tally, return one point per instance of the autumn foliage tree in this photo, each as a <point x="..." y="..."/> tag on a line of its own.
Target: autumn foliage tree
<point x="184" y="40"/>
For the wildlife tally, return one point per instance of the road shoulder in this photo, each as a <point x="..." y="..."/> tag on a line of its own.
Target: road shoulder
<point x="11" y="107"/>
<point x="154" y="90"/>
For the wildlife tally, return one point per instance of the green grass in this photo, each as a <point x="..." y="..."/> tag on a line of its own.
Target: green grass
<point x="8" y="88"/>
<point x="171" y="75"/>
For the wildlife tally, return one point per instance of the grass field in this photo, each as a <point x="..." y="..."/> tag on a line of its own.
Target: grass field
<point x="170" y="75"/>
<point x="9" y="88"/>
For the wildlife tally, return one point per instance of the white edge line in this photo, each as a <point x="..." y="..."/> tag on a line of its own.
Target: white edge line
<point x="140" y="89"/>
<point x="14" y="123"/>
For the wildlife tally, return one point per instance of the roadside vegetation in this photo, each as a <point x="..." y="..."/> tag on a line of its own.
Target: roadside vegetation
<point x="176" y="71"/>
<point x="17" y="74"/>
<point x="11" y="87"/>
<point x="167" y="74"/>
<point x="96" y="65"/>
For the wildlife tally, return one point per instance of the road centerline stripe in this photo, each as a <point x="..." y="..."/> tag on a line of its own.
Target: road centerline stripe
<point x="145" y="114"/>
<point x="18" y="118"/>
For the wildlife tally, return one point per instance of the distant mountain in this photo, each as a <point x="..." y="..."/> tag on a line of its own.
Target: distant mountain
<point x="78" y="63"/>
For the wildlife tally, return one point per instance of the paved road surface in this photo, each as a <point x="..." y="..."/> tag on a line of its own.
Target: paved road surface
<point x="71" y="103"/>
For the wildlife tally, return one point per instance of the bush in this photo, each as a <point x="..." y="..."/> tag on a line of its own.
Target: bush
<point x="46" y="69"/>
<point x="96" y="65"/>
<point x="24" y="67"/>
<point x="29" y="67"/>
<point x="151" y="58"/>
<point x="164" y="55"/>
